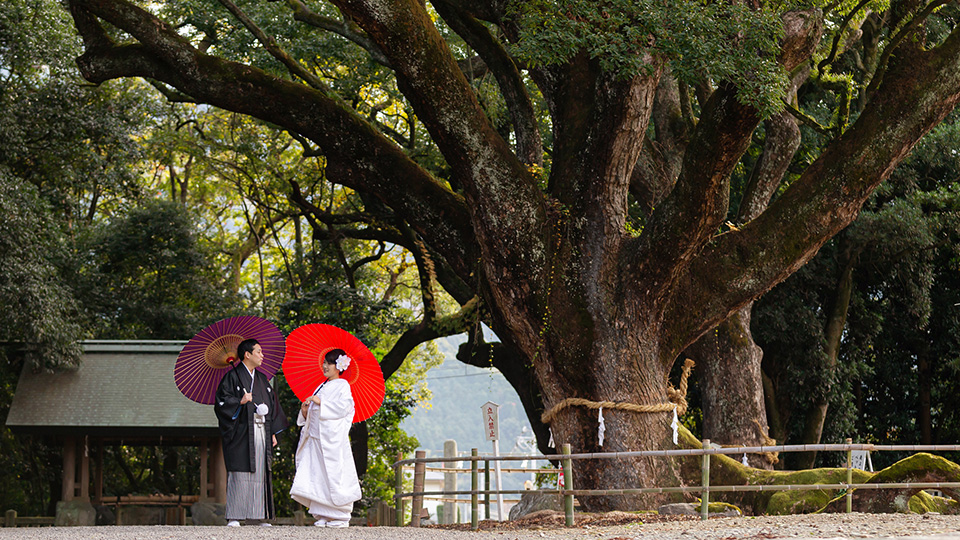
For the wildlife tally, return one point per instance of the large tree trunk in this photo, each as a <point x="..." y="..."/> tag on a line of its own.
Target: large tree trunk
<point x="732" y="398"/>
<point x="640" y="380"/>
<point x="731" y="388"/>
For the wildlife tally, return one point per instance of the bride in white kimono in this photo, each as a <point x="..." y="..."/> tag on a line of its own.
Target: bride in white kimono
<point x="326" y="480"/>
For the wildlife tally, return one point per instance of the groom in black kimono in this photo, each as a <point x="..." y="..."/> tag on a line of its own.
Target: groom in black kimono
<point x="250" y="417"/>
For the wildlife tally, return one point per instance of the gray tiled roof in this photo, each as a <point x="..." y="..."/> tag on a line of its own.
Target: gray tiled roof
<point x="121" y="389"/>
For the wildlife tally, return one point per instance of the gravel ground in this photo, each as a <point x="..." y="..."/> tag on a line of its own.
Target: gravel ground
<point x="827" y="526"/>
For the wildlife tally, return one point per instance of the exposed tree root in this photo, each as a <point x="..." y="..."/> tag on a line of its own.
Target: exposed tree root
<point x="921" y="467"/>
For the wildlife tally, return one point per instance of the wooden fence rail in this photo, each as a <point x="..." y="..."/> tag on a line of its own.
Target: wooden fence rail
<point x="567" y="491"/>
<point x="11" y="519"/>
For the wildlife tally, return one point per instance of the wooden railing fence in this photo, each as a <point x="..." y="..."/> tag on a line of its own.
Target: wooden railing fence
<point x="11" y="519"/>
<point x="568" y="492"/>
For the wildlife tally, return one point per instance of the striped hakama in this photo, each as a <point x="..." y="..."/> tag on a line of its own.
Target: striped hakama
<point x="247" y="491"/>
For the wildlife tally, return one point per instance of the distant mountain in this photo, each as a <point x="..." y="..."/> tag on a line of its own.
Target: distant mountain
<point x="454" y="413"/>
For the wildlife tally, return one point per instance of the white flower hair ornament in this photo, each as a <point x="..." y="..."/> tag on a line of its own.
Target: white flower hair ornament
<point x="343" y="362"/>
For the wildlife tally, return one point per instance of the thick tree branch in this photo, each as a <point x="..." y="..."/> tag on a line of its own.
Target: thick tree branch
<point x="342" y="28"/>
<point x="495" y="56"/>
<point x="357" y="155"/>
<point x="491" y="11"/>
<point x="898" y="39"/>
<point x="828" y="195"/>
<point x="659" y="163"/>
<point x="698" y="204"/>
<point x="599" y="124"/>
<point x="495" y="182"/>
<point x="650" y="181"/>
<point x="427" y="330"/>
<point x="779" y="146"/>
<point x="378" y="214"/>
<point x="172" y="95"/>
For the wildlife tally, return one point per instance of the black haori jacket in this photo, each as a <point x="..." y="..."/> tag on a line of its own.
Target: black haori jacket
<point x="236" y="421"/>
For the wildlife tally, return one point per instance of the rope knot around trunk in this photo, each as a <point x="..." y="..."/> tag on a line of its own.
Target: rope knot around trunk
<point x="676" y="400"/>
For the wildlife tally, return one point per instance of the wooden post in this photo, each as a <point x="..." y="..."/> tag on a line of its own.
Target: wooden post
<point x="84" y="494"/>
<point x="419" y="469"/>
<point x="398" y="489"/>
<point x="69" y="469"/>
<point x="849" y="476"/>
<point x="98" y="474"/>
<point x="474" y="498"/>
<point x="219" y="472"/>
<point x="449" y="481"/>
<point x="386" y="514"/>
<point x="567" y="466"/>
<point x="705" y="475"/>
<point x="486" y="487"/>
<point x="204" y="470"/>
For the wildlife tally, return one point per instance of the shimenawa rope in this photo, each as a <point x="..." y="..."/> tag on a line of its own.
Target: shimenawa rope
<point x="677" y="397"/>
<point x="677" y="400"/>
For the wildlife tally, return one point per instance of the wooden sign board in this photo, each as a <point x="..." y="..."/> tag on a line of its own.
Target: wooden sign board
<point x="491" y="420"/>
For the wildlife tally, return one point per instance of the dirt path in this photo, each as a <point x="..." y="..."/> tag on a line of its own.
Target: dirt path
<point x="612" y="526"/>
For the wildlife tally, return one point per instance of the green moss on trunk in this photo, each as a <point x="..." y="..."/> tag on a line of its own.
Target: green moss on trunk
<point x="920" y="467"/>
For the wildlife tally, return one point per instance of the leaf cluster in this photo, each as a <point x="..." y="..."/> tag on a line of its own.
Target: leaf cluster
<point x="40" y="312"/>
<point x="149" y="278"/>
<point x="701" y="41"/>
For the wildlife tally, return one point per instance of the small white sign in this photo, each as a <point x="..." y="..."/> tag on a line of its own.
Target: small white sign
<point x="491" y="421"/>
<point x="860" y="459"/>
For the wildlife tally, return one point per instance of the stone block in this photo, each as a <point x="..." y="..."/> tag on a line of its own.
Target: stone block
<point x="208" y="513"/>
<point x="75" y="514"/>
<point x="141" y="515"/>
<point x="535" y="501"/>
<point x="681" y="509"/>
<point x="106" y="516"/>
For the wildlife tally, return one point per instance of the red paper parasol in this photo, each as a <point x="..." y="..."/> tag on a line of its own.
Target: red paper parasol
<point x="211" y="353"/>
<point x="306" y="347"/>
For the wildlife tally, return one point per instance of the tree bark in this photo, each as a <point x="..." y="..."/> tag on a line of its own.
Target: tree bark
<point x="729" y="368"/>
<point x="642" y="381"/>
<point x="731" y="388"/>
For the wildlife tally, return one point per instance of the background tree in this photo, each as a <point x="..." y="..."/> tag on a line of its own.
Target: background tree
<point x="38" y="328"/>
<point x="149" y="277"/>
<point x="67" y="154"/>
<point x="129" y="219"/>
<point x="863" y="331"/>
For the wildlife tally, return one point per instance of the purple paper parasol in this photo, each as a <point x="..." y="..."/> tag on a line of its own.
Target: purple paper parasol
<point x="212" y="352"/>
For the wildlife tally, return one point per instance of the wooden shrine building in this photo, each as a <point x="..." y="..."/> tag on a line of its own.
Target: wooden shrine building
<point x="122" y="394"/>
